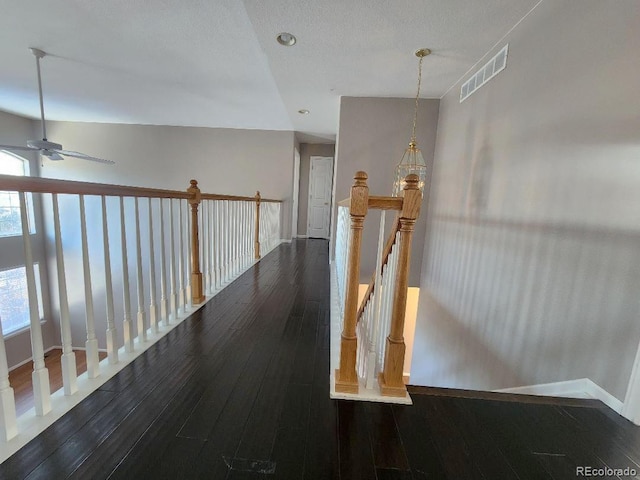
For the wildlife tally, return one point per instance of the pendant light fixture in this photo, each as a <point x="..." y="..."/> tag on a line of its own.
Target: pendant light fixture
<point x="412" y="160"/>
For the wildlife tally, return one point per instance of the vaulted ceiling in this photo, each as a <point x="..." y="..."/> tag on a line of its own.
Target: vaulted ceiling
<point x="216" y="63"/>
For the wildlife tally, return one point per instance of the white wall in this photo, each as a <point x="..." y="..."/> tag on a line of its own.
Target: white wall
<point x="533" y="243"/>
<point x="223" y="161"/>
<point x="15" y="130"/>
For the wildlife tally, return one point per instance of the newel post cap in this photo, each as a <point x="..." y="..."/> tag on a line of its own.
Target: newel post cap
<point x="411" y="182"/>
<point x="194" y="191"/>
<point x="360" y="179"/>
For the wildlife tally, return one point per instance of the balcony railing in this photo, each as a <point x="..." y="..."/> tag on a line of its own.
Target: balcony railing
<point x="173" y="248"/>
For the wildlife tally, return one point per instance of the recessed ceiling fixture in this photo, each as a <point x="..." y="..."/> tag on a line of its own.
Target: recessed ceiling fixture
<point x="303" y="111"/>
<point x="286" y="39"/>
<point x="412" y="160"/>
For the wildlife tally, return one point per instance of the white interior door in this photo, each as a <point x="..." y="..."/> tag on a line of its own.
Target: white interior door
<point x="320" y="183"/>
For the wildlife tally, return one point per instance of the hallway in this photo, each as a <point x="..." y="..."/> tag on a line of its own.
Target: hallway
<point x="240" y="391"/>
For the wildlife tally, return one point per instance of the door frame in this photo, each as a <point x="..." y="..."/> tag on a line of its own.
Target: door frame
<point x="311" y="159"/>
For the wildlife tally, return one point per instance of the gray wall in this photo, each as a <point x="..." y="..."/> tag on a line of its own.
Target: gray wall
<point x="224" y="161"/>
<point x="15" y="130"/>
<point x="532" y="259"/>
<point x="372" y="136"/>
<point x="307" y="150"/>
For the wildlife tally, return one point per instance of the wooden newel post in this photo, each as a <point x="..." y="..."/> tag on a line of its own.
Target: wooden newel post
<point x="391" y="378"/>
<point x="256" y="243"/>
<point x="196" y="275"/>
<point x="346" y="376"/>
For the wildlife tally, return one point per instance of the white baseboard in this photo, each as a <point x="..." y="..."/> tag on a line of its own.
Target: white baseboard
<point x="579" y="388"/>
<point x="283" y="240"/>
<point x="301" y="236"/>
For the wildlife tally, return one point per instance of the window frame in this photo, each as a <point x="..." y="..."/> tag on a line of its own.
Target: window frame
<point x="26" y="172"/>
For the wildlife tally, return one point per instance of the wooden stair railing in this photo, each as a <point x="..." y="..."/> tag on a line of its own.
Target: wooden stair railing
<point x="390" y="379"/>
<point x="220" y="238"/>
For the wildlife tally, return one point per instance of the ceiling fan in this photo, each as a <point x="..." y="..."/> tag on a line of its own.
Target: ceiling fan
<point x="51" y="150"/>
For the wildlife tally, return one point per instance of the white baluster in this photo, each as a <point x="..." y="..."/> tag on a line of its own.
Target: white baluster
<point x="142" y="315"/>
<point x="239" y="237"/>
<point x="210" y="244"/>
<point x="172" y="265"/>
<point x="68" y="358"/>
<point x="230" y="221"/>
<point x="153" y="307"/>
<point x="127" y="326"/>
<point x="244" y="234"/>
<point x="8" y="421"/>
<point x="225" y="243"/>
<point x="164" y="303"/>
<point x="218" y="245"/>
<point x="271" y="225"/>
<point x="188" y="260"/>
<point x="264" y="240"/>
<point x="236" y="241"/>
<point x="263" y="246"/>
<point x="40" y="375"/>
<point x="234" y="238"/>
<point x="376" y="303"/>
<point x="233" y="220"/>
<point x="112" y="334"/>
<point x="91" y="345"/>
<point x="204" y="232"/>
<point x="181" y="301"/>
<point x="225" y="240"/>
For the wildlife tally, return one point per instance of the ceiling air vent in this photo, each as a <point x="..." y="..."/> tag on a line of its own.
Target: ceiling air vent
<point x="486" y="73"/>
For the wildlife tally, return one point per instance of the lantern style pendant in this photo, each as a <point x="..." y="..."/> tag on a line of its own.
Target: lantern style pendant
<point x="412" y="160"/>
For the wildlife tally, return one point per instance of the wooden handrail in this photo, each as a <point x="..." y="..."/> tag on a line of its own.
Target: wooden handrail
<point x="215" y="196"/>
<point x="14" y="183"/>
<point x="385" y="203"/>
<point x="386" y="251"/>
<point x="49" y="185"/>
<point x="376" y="202"/>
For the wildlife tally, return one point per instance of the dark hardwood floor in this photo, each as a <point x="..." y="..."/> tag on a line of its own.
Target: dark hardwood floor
<point x="240" y="391"/>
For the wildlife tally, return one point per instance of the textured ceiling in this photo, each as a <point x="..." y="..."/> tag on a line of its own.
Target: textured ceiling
<point x="216" y="63"/>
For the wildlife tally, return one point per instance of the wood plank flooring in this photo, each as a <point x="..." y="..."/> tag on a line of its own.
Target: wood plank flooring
<point x="240" y="391"/>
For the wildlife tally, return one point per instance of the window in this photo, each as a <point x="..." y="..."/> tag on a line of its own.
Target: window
<point x="10" y="223"/>
<point x="14" y="301"/>
<point x="14" y="298"/>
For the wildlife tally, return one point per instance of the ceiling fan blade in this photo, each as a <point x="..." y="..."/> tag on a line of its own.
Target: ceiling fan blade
<point x="82" y="156"/>
<point x="54" y="156"/>
<point x="15" y="147"/>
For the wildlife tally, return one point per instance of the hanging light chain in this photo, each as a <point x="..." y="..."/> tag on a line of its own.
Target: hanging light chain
<point x="415" y="110"/>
